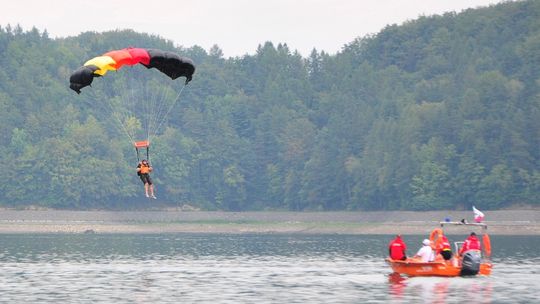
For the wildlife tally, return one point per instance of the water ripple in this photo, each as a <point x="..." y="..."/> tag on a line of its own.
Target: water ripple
<point x="242" y="269"/>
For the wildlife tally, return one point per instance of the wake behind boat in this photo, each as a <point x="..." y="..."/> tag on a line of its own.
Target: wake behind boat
<point x="471" y="262"/>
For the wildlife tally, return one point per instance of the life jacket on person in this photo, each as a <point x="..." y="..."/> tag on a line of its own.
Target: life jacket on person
<point x="397" y="249"/>
<point x="471" y="243"/>
<point x="144" y="168"/>
<point x="444" y="245"/>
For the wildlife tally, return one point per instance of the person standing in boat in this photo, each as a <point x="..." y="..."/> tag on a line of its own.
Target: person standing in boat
<point x="426" y="252"/>
<point x="397" y="249"/>
<point x="471" y="243"/>
<point x="444" y="248"/>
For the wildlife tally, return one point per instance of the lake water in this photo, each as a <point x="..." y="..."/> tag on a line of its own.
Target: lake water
<point x="198" y="268"/>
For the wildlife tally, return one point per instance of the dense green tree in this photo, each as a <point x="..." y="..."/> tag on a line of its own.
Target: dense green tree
<point x="439" y="112"/>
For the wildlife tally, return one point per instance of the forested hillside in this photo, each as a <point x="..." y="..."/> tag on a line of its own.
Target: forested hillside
<point x="438" y="113"/>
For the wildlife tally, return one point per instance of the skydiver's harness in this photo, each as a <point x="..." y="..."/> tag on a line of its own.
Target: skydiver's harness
<point x="139" y="145"/>
<point x="144" y="144"/>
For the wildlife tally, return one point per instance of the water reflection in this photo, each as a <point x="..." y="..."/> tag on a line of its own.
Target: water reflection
<point x="242" y="269"/>
<point x="397" y="285"/>
<point x="439" y="290"/>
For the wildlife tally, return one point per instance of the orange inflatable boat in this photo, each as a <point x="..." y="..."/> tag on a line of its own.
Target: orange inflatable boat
<point x="413" y="268"/>
<point x="451" y="268"/>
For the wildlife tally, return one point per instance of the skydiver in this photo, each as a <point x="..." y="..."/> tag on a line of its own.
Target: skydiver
<point x="143" y="170"/>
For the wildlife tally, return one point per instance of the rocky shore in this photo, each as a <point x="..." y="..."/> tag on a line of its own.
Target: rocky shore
<point x="501" y="222"/>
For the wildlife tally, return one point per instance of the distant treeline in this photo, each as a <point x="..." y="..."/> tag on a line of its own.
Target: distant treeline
<point x="438" y="113"/>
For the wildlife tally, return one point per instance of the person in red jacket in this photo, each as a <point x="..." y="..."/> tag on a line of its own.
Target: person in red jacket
<point x="444" y="248"/>
<point x="471" y="243"/>
<point x="397" y="248"/>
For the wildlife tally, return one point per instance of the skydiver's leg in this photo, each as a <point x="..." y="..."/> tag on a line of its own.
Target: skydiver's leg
<point x="145" y="182"/>
<point x="152" y="192"/>
<point x="151" y="186"/>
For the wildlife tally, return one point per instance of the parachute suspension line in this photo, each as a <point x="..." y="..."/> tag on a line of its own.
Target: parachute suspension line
<point x="139" y="155"/>
<point x="148" y="102"/>
<point x="142" y="102"/>
<point x="147" y="154"/>
<point x="158" y="110"/>
<point x="119" y="120"/>
<point x="147" y="108"/>
<point x="144" y="107"/>
<point x="118" y="115"/>
<point x="135" y="106"/>
<point x="154" y="109"/>
<point x="170" y="109"/>
<point x="109" y="108"/>
<point x="135" y="99"/>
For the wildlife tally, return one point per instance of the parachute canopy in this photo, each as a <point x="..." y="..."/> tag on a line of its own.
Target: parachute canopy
<point x="169" y="63"/>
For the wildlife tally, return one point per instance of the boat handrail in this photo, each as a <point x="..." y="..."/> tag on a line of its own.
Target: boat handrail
<point x="457" y="246"/>
<point x="482" y="225"/>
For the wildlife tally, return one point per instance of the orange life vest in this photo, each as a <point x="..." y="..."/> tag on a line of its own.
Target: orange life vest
<point x="145" y="169"/>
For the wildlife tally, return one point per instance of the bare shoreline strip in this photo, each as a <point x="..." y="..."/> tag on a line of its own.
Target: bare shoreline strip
<point x="502" y="222"/>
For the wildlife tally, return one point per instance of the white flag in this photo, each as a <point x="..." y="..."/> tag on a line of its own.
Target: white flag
<point x="478" y="215"/>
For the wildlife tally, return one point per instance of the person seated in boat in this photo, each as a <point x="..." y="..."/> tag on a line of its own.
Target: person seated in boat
<point x="397" y="249"/>
<point x="425" y="254"/>
<point x="471" y="243"/>
<point x="444" y="248"/>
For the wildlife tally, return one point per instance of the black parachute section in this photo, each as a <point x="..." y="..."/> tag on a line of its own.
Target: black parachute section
<point x="82" y="77"/>
<point x="171" y="64"/>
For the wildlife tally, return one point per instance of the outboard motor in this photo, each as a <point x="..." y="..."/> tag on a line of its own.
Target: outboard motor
<point x="470" y="264"/>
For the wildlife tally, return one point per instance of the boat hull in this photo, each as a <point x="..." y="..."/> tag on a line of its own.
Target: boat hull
<point x="414" y="268"/>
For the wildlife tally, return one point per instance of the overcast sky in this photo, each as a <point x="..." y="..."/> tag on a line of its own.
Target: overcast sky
<point x="236" y="26"/>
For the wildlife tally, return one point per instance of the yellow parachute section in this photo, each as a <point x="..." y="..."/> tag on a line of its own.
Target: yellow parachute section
<point x="104" y="64"/>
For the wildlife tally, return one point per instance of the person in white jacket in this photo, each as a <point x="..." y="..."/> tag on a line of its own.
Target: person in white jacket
<point x="426" y="253"/>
